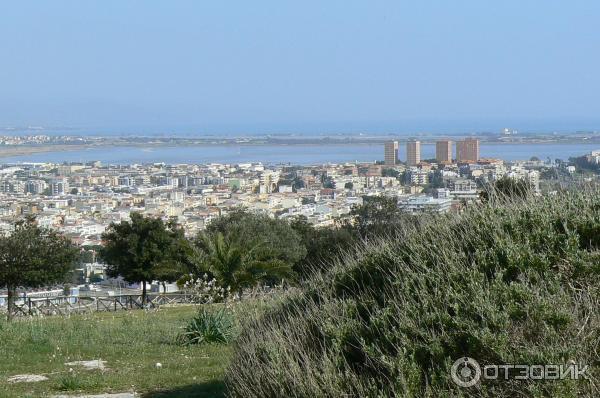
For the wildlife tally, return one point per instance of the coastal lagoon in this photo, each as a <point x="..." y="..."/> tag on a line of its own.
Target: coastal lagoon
<point x="286" y="154"/>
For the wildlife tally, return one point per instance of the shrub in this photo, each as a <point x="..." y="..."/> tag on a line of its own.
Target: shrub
<point x="205" y="291"/>
<point x="209" y="327"/>
<point x="516" y="282"/>
<point x="69" y="382"/>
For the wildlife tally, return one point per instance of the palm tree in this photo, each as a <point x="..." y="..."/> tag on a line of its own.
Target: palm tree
<point x="236" y="266"/>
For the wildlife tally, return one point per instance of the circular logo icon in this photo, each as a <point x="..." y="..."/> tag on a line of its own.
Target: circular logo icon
<point x="465" y="372"/>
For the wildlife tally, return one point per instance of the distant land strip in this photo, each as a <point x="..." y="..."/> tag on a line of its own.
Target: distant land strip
<point x="84" y="143"/>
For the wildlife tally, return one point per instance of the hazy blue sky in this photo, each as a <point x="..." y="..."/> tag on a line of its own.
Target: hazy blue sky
<point x="325" y="65"/>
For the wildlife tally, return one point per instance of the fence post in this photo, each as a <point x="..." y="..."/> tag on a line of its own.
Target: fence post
<point x="29" y="305"/>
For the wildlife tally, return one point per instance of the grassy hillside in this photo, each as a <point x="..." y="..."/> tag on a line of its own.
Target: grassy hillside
<point x="131" y="343"/>
<point x="512" y="282"/>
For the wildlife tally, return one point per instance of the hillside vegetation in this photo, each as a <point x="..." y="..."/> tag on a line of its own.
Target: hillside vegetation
<point x="506" y="282"/>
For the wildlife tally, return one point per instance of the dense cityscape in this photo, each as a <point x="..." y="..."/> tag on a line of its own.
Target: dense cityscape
<point x="81" y="200"/>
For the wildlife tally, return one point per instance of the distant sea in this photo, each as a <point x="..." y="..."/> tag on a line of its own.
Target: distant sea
<point x="292" y="154"/>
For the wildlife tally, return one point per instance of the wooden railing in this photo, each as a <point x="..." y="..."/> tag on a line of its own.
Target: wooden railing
<point x="66" y="305"/>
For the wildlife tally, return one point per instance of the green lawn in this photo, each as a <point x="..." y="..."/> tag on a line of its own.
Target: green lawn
<point x="131" y="343"/>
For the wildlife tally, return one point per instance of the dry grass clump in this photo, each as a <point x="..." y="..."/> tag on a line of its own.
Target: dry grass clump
<point x="507" y="282"/>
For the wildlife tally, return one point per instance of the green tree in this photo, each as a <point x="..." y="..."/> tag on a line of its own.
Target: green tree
<point x="328" y="182"/>
<point x="378" y="215"/>
<point x="507" y="188"/>
<point x="549" y="173"/>
<point x="146" y="249"/>
<point x="238" y="266"/>
<point x="582" y="163"/>
<point x="298" y="183"/>
<point x="322" y="245"/>
<point x="348" y="185"/>
<point x="250" y="230"/>
<point x="390" y="173"/>
<point x="437" y="180"/>
<point x="404" y="177"/>
<point x="32" y="256"/>
<point x="87" y="255"/>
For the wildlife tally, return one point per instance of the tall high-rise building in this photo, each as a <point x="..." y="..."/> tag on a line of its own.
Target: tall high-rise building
<point x="443" y="151"/>
<point x="467" y="151"/>
<point x="391" y="153"/>
<point x="413" y="153"/>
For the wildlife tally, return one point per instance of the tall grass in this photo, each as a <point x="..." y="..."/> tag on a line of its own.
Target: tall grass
<point x="507" y="282"/>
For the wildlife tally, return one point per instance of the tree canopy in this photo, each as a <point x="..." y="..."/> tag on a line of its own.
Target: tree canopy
<point x="378" y="215"/>
<point x="249" y="230"/>
<point x="241" y="249"/>
<point x="146" y="249"/>
<point x="32" y="256"/>
<point x="237" y="266"/>
<point x="322" y="245"/>
<point x="507" y="188"/>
